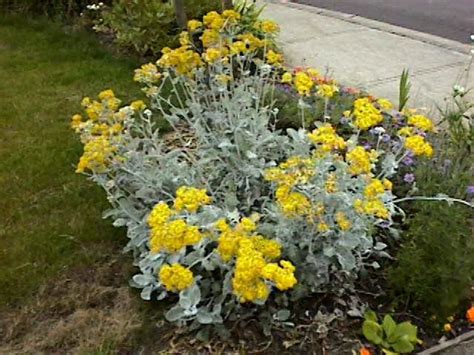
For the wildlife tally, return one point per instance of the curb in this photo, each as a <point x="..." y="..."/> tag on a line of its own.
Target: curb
<point x="381" y="26"/>
<point x="449" y="344"/>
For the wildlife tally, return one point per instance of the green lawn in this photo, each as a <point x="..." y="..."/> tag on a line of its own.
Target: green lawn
<point x="50" y="218"/>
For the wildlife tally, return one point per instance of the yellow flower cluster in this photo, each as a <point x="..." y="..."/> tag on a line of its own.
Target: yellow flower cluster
<point x="99" y="132"/>
<point x="360" y="161"/>
<point x="182" y="59"/>
<point x="331" y="184"/>
<point x="421" y="122"/>
<point x="366" y="114"/>
<point x="267" y="26"/>
<point x="190" y="199"/>
<point x="274" y="58"/>
<point x="343" y="222"/>
<point x="374" y="207"/>
<point x="173" y="235"/>
<point x="291" y="172"/>
<point x="372" y="204"/>
<point x="327" y="138"/>
<point x="253" y="253"/>
<point x="419" y="146"/>
<point x="327" y="90"/>
<point x="147" y="74"/>
<point x="303" y="83"/>
<point x="292" y="203"/>
<point x="231" y="240"/>
<point x="176" y="277"/>
<point x="212" y="55"/>
<point x="194" y="25"/>
<point x="385" y="104"/>
<point x="98" y="153"/>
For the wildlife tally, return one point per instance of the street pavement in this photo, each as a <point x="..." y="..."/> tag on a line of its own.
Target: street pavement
<point x="453" y="19"/>
<point x="371" y="55"/>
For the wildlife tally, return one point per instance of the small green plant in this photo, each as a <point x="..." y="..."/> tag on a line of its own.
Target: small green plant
<point x="391" y="337"/>
<point x="404" y="90"/>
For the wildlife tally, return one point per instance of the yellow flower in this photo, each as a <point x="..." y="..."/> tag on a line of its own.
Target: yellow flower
<point x="343" y="221"/>
<point x="138" y="105"/>
<point x="374" y="189"/>
<point x="360" y="161"/>
<point x="106" y="95"/>
<point x="213" y="20"/>
<point x="327" y="137"/>
<point x="405" y="131"/>
<point x="327" y="91"/>
<point x="212" y="55"/>
<point x="176" y="277"/>
<point x="193" y="25"/>
<point x="76" y="121"/>
<point x="387" y="184"/>
<point x="184" y="39"/>
<point x="159" y="215"/>
<point x="148" y="73"/>
<point x="419" y="146"/>
<point x="251" y="42"/>
<point x="210" y="38"/>
<point x="274" y="58"/>
<point x="366" y="115"/>
<point x="385" y="104"/>
<point x="269" y="26"/>
<point x="313" y="73"/>
<point x="293" y="203"/>
<point x="182" y="59"/>
<point x="376" y="208"/>
<point x="331" y="184"/>
<point x="231" y="16"/>
<point x="172" y="236"/>
<point x="246" y="225"/>
<point x="238" y="47"/>
<point x="283" y="276"/>
<point x="303" y="83"/>
<point x="323" y="227"/>
<point x="421" y="122"/>
<point x="98" y="153"/>
<point x="286" y="78"/>
<point x="447" y="328"/>
<point x="190" y="199"/>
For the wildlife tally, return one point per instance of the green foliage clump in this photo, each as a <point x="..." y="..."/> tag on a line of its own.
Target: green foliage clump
<point x="52" y="8"/>
<point x="389" y="335"/>
<point x="435" y="267"/>
<point x="146" y="26"/>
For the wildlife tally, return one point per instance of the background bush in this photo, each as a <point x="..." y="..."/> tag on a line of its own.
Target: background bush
<point x="53" y="8"/>
<point x="146" y="26"/>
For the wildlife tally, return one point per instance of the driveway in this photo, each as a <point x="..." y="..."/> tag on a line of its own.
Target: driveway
<point x="452" y="19"/>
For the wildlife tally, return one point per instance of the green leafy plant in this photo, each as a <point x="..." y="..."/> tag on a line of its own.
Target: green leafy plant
<point x="404" y="89"/>
<point x="391" y="337"/>
<point x="146" y="26"/>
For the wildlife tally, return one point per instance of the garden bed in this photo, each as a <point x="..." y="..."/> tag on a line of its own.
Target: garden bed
<point x="280" y="211"/>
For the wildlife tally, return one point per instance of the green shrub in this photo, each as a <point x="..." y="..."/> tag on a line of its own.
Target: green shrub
<point x="146" y="26"/>
<point x="53" y="8"/>
<point x="435" y="267"/>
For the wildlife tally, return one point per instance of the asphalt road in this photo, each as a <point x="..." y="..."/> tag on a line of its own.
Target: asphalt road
<point x="453" y="19"/>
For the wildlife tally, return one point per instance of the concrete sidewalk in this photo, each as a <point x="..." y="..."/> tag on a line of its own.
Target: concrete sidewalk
<point x="369" y="54"/>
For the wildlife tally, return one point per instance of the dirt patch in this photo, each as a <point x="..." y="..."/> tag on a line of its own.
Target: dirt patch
<point x="82" y="310"/>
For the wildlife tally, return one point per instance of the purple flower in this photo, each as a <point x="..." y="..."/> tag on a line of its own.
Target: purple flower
<point x="367" y="146"/>
<point x="410" y="178"/>
<point x="470" y="190"/>
<point x="408" y="161"/>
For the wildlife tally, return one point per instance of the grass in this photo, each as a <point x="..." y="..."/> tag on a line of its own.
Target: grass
<point x="50" y="218"/>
